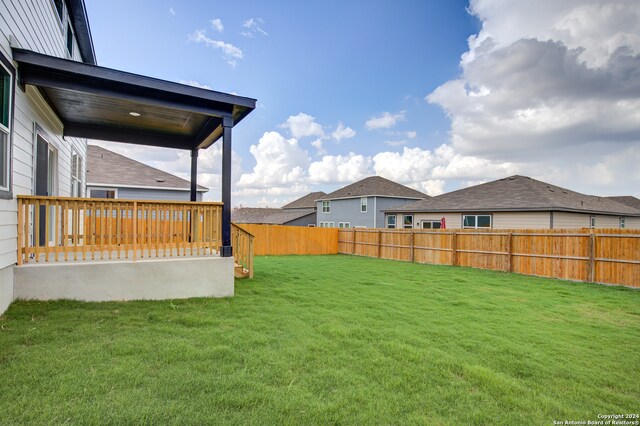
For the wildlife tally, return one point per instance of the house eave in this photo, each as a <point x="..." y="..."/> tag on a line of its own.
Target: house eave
<point x="511" y="210"/>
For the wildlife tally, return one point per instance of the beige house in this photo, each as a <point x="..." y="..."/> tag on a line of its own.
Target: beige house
<point x="516" y="202"/>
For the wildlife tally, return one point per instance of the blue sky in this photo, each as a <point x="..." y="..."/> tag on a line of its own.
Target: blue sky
<point x="434" y="94"/>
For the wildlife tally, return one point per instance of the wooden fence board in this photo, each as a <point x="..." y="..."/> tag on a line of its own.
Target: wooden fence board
<point x="610" y="256"/>
<point x="278" y="239"/>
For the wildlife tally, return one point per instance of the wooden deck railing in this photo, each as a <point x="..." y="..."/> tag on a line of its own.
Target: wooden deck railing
<point x="54" y="229"/>
<point x="242" y="242"/>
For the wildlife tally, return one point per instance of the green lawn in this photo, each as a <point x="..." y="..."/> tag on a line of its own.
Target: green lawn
<point x="330" y="340"/>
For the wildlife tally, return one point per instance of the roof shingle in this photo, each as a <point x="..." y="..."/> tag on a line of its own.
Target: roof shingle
<point x="518" y="193"/>
<point x="374" y="186"/>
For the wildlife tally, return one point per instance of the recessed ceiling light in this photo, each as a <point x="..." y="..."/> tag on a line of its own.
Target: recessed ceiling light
<point x="134" y="114"/>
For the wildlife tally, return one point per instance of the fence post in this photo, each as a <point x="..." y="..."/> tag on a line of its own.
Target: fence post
<point x="592" y="255"/>
<point x="412" y="244"/>
<point x="454" y="247"/>
<point x="510" y="252"/>
<point x="379" y="244"/>
<point x="353" y="242"/>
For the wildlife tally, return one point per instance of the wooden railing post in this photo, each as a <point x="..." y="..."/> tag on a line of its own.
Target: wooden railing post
<point x="135" y="231"/>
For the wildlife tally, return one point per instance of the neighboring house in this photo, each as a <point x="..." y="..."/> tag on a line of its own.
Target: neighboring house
<point x="301" y="212"/>
<point x="111" y="175"/>
<point x="53" y="98"/>
<point x="361" y="203"/>
<point x="516" y="202"/>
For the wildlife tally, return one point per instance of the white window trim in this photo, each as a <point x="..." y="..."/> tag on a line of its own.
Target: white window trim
<point x="345" y="225"/>
<point x="623" y="222"/>
<point x="90" y="190"/>
<point x="363" y="203"/>
<point x="403" y="224"/>
<point x="328" y="206"/>
<point x="80" y="172"/>
<point x="7" y="130"/>
<point x="431" y="221"/>
<point x="592" y="221"/>
<point x="476" y="225"/>
<point x="395" y="221"/>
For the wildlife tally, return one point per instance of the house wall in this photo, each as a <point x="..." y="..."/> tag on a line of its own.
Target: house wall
<point x="150" y="194"/>
<point x="303" y="221"/>
<point x="348" y="210"/>
<point x="33" y="25"/>
<point x="529" y="220"/>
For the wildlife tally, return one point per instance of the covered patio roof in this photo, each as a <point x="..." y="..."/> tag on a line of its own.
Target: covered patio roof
<point x="95" y="102"/>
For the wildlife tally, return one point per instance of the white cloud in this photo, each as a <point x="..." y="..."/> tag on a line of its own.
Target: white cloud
<point x="253" y="26"/>
<point x="318" y="145"/>
<point x="339" y="168"/>
<point x="396" y="143"/>
<point x="172" y="12"/>
<point x="552" y="86"/>
<point x="280" y="163"/>
<point x="343" y="132"/>
<point x="411" y="134"/>
<point x="194" y="84"/>
<point x="230" y="52"/>
<point x="216" y="24"/>
<point x="303" y="125"/>
<point x="386" y="120"/>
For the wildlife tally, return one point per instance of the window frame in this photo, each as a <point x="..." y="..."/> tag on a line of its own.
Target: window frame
<point x="622" y="222"/>
<point x="115" y="193"/>
<point x="476" y="216"/>
<point x="391" y="225"/>
<point x="431" y="222"/>
<point x="592" y="221"/>
<point x="344" y="225"/>
<point x="363" y="204"/>
<point x="404" y="221"/>
<point x="6" y="191"/>
<point x="326" y="207"/>
<point x="79" y="174"/>
<point x="68" y="40"/>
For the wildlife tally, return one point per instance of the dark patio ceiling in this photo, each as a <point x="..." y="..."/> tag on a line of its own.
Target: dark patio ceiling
<point x="94" y="102"/>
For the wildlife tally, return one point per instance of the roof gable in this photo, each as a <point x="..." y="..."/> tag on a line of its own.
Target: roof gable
<point x="306" y="202"/>
<point x="109" y="168"/>
<point x="375" y="186"/>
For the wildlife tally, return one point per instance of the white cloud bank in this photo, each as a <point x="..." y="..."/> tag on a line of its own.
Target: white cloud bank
<point x="554" y="85"/>
<point x="230" y="53"/>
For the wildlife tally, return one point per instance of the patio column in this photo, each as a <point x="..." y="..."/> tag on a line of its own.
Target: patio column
<point x="226" y="250"/>
<point x="194" y="174"/>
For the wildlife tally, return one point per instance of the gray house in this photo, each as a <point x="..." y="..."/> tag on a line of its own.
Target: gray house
<point x="300" y="212"/>
<point x="515" y="202"/>
<point x="111" y="175"/>
<point x="361" y="203"/>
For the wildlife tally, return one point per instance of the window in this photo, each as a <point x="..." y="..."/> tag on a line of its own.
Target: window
<point x="59" y="5"/>
<point x="476" y="221"/>
<point x="622" y="222"/>
<point x="344" y="225"/>
<point x="103" y="193"/>
<point x="391" y="221"/>
<point x="431" y="224"/>
<point x="326" y="207"/>
<point x="327" y="224"/>
<point x="407" y="221"/>
<point x="363" y="205"/>
<point x="593" y="222"/>
<point x="76" y="176"/>
<point x="7" y="73"/>
<point x="69" y="40"/>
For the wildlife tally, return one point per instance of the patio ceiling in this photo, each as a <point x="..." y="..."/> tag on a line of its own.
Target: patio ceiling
<point x="95" y="102"/>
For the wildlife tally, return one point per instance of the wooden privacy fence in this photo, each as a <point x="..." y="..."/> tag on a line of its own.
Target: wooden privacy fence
<point x="73" y="229"/>
<point x="278" y="239"/>
<point x="610" y="256"/>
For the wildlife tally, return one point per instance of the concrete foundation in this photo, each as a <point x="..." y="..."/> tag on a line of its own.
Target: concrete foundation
<point x="125" y="280"/>
<point x="6" y="288"/>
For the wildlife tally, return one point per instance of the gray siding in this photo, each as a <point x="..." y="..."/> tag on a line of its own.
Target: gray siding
<point x="348" y="210"/>
<point x="303" y="221"/>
